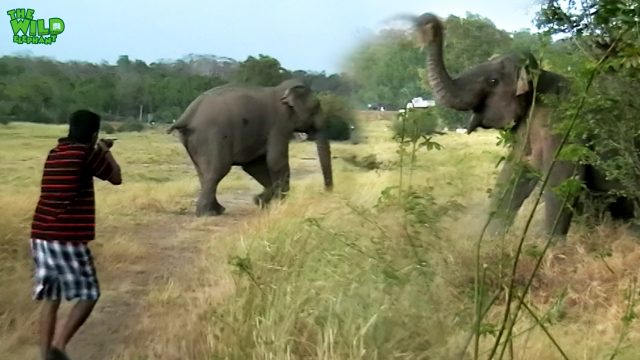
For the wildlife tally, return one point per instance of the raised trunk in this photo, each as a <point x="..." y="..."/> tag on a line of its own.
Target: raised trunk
<point x="324" y="156"/>
<point x="446" y="90"/>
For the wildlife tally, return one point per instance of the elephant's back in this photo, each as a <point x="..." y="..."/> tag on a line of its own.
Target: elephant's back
<point x="233" y="99"/>
<point x="232" y="90"/>
<point x="232" y="105"/>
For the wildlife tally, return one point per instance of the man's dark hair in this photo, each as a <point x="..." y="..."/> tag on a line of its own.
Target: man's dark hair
<point x="83" y="124"/>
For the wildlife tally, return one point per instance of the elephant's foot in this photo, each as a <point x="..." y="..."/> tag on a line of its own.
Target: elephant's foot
<point x="558" y="233"/>
<point x="556" y="238"/>
<point x="267" y="196"/>
<point x="210" y="211"/>
<point x="261" y="200"/>
<point x="281" y="196"/>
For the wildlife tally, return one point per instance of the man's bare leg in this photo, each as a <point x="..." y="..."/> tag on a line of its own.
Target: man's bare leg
<point x="48" y="316"/>
<point x="78" y="315"/>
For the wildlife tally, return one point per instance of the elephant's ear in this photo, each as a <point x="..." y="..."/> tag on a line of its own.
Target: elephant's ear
<point x="293" y="94"/>
<point x="522" y="84"/>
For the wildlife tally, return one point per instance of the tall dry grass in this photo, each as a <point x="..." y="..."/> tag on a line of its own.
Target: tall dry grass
<point x="336" y="278"/>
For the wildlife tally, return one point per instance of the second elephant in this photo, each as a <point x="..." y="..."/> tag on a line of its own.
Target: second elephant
<point x="250" y="126"/>
<point x="500" y="95"/>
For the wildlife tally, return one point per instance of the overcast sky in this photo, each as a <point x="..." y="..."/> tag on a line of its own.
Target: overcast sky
<point x="302" y="34"/>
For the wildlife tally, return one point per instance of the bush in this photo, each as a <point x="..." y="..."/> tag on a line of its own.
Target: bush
<point x="452" y="118"/>
<point x="108" y="128"/>
<point x="166" y="115"/>
<point x="131" y="125"/>
<point x="338" y="129"/>
<point x="417" y="122"/>
<point x="41" y="117"/>
<point x="368" y="162"/>
<point x="339" y="116"/>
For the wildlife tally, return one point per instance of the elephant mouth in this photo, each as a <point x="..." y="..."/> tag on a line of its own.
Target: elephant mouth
<point x="475" y="122"/>
<point x="477" y="118"/>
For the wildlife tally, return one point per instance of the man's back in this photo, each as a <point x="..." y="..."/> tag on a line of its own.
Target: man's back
<point x="66" y="208"/>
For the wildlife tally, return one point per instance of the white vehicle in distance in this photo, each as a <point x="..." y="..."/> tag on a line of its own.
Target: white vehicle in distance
<point x="418" y="103"/>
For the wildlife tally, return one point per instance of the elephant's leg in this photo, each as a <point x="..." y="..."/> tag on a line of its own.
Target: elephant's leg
<point x="190" y="151"/>
<point x="278" y="164"/>
<point x="512" y="191"/>
<point x="200" y="174"/>
<point x="558" y="216"/>
<point x="207" y="201"/>
<point x="259" y="170"/>
<point x="281" y="177"/>
<point x="213" y="163"/>
<point x="622" y="209"/>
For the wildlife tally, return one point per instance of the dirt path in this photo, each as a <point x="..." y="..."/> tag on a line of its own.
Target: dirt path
<point x="166" y="251"/>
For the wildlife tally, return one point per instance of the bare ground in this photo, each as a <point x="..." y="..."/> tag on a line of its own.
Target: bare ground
<point x="168" y="253"/>
<point x="170" y="246"/>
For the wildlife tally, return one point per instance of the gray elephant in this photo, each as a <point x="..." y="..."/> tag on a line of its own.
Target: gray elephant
<point x="499" y="94"/>
<point x="249" y="126"/>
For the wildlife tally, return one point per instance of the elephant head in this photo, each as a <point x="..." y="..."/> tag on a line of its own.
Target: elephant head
<point x="498" y="92"/>
<point x="306" y="113"/>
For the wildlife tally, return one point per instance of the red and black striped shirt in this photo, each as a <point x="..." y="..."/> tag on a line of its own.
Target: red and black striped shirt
<point x="66" y="208"/>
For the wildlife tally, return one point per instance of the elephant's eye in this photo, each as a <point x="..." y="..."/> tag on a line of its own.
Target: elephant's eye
<point x="493" y="82"/>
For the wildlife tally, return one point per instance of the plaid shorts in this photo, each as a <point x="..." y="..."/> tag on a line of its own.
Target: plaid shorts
<point x="63" y="268"/>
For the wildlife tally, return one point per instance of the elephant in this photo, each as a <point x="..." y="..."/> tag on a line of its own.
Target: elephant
<point x="250" y="126"/>
<point x="499" y="93"/>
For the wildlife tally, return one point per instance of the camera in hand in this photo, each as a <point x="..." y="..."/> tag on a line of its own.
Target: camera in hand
<point x="108" y="142"/>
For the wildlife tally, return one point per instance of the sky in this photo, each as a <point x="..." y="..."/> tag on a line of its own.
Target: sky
<point x="308" y="35"/>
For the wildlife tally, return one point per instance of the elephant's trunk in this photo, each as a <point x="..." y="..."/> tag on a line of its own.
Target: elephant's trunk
<point x="324" y="155"/>
<point x="447" y="91"/>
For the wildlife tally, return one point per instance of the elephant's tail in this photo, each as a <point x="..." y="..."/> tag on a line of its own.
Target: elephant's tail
<point x="171" y="128"/>
<point x="180" y="125"/>
<point x="185" y="118"/>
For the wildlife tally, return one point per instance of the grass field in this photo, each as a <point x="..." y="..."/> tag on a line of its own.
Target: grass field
<point x="354" y="274"/>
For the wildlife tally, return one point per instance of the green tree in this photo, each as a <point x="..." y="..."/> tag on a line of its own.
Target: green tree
<point x="44" y="90"/>
<point x="472" y="40"/>
<point x="610" y="26"/>
<point x="335" y="83"/>
<point x="603" y="36"/>
<point x="338" y="116"/>
<point x="261" y="71"/>
<point x="385" y="69"/>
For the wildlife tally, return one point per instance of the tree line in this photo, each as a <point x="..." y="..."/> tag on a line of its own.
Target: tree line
<point x="43" y="90"/>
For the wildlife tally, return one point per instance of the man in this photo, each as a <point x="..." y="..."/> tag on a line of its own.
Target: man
<point x="63" y="225"/>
